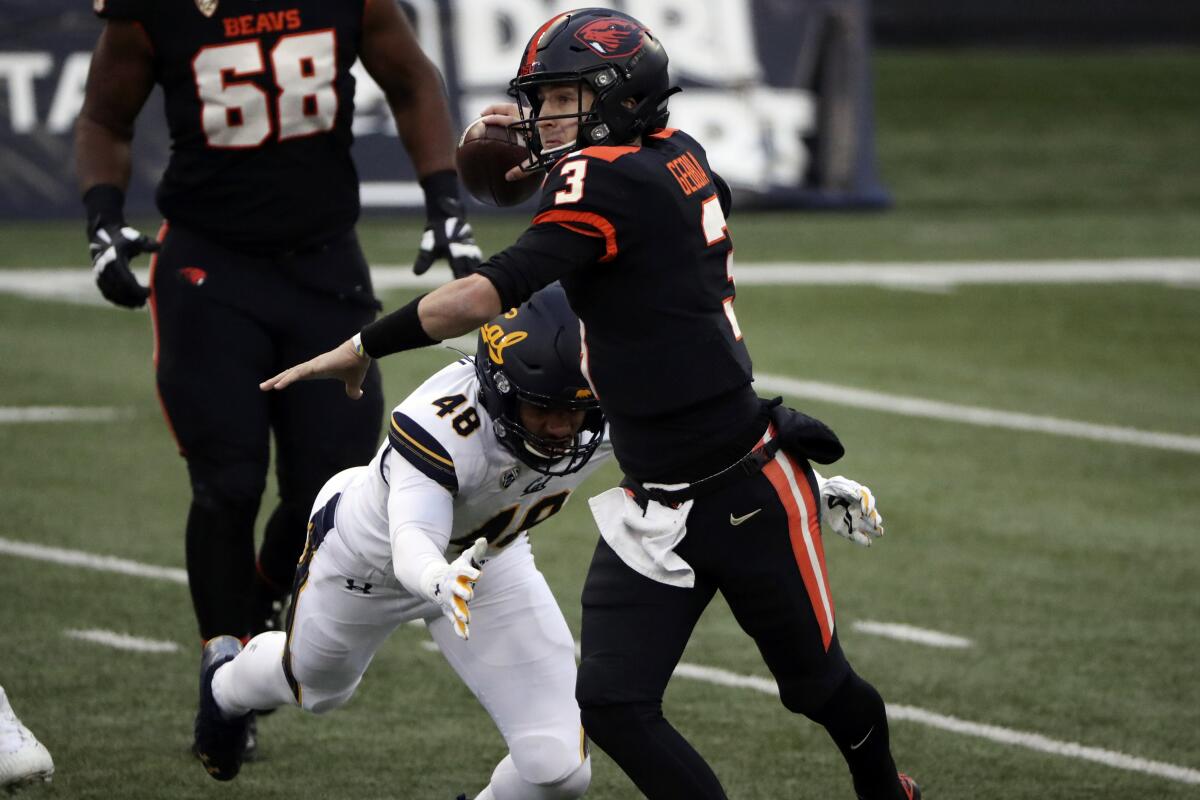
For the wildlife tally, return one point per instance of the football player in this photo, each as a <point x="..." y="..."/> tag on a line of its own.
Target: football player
<point x="435" y="528"/>
<point x="257" y="260"/>
<point x="719" y="494"/>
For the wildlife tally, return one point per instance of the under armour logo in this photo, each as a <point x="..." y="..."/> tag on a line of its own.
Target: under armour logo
<point x="351" y="586"/>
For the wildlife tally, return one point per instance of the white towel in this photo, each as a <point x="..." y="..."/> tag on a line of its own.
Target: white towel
<point x="645" y="541"/>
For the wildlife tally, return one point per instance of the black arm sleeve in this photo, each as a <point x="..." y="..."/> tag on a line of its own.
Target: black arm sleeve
<point x="542" y="255"/>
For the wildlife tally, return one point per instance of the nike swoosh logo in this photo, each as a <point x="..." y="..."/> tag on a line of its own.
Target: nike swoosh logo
<point x="864" y="739"/>
<point x="739" y="520"/>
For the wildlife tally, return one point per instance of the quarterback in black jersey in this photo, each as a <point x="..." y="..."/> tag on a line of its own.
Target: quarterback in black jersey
<point x="632" y="220"/>
<point x="257" y="263"/>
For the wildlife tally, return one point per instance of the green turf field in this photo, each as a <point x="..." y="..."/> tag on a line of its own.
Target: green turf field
<point x="1071" y="564"/>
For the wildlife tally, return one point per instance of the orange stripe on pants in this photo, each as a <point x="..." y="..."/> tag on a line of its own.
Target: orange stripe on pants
<point x="804" y="528"/>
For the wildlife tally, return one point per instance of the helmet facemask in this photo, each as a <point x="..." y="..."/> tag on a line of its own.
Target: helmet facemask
<point x="591" y="129"/>
<point x="503" y="400"/>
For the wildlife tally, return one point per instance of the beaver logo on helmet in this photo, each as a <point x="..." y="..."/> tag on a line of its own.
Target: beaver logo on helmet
<point x="610" y="37"/>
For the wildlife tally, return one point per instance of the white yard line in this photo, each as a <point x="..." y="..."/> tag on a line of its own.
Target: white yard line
<point x="909" y="633"/>
<point x="974" y="415"/>
<point x="993" y="733"/>
<point x="122" y="641"/>
<point x="78" y="558"/>
<point x="1043" y="744"/>
<point x="23" y="414"/>
<point x="75" y="284"/>
<point x="711" y="675"/>
<point x="55" y="282"/>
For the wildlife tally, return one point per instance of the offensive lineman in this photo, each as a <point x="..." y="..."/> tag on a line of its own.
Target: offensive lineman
<point x="633" y="222"/>
<point x="257" y="259"/>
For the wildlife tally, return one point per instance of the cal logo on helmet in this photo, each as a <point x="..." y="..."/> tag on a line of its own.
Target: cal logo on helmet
<point x="497" y="340"/>
<point x="611" y="37"/>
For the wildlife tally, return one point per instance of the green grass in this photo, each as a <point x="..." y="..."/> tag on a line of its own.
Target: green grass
<point x="1072" y="565"/>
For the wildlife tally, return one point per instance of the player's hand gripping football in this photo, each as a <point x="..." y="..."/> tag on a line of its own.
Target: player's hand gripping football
<point x="344" y="362"/>
<point x="452" y="586"/>
<point x="506" y="114"/>
<point x="112" y="244"/>
<point x="849" y="508"/>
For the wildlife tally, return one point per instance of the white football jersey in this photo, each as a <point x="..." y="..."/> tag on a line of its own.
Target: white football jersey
<point x="440" y="439"/>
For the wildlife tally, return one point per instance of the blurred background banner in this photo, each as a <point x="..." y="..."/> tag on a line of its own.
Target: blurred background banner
<point x="778" y="91"/>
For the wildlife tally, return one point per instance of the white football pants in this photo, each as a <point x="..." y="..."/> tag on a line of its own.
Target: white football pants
<point x="519" y="662"/>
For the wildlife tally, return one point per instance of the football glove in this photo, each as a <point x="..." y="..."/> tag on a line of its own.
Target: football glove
<point x="447" y="233"/>
<point x="112" y="244"/>
<point x="848" y="508"/>
<point x="452" y="586"/>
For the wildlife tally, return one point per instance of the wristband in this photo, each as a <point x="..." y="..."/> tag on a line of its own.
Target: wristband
<point x="356" y="340"/>
<point x="395" y="332"/>
<point x="441" y="194"/>
<point x="105" y="205"/>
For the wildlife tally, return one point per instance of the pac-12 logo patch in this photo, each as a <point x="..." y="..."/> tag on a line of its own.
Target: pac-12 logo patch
<point x="610" y="37"/>
<point x="207" y="7"/>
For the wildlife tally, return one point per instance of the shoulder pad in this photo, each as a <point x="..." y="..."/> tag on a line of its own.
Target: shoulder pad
<point x="422" y="450"/>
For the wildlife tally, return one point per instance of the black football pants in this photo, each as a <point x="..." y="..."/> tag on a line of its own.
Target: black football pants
<point x="225" y="321"/>
<point x="758" y="542"/>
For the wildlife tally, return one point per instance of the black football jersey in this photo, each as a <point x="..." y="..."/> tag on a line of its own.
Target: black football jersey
<point x="662" y="346"/>
<point x="259" y="102"/>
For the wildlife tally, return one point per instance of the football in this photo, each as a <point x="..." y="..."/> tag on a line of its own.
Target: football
<point x="485" y="152"/>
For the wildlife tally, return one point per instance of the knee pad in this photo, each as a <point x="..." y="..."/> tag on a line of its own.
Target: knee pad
<point x="606" y="723"/>
<point x="508" y="784"/>
<point x="542" y="759"/>
<point x="852" y="699"/>
<point x="574" y="785"/>
<point x="319" y="702"/>
<point x="323" y="665"/>
<point x="218" y="486"/>
<point x="809" y="695"/>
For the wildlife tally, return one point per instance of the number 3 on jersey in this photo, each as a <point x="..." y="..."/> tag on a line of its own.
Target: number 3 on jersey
<point x="574" y="172"/>
<point x="234" y="113"/>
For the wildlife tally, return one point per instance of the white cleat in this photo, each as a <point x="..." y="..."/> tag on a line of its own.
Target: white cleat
<point x="23" y="759"/>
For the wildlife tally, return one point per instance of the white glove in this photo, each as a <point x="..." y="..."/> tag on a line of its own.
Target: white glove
<point x="452" y="586"/>
<point x="848" y="508"/>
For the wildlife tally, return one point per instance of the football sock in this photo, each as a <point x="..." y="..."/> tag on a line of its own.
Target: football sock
<point x="219" y="544"/>
<point x="856" y="719"/>
<point x="254" y="681"/>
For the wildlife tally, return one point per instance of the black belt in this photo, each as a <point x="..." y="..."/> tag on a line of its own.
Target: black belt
<point x="747" y="466"/>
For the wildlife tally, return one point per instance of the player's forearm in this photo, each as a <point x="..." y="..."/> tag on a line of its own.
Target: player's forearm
<point x="450" y="310"/>
<point x="102" y="156"/>
<point x="413" y="553"/>
<point x="458" y="307"/>
<point x="119" y="81"/>
<point x="422" y="118"/>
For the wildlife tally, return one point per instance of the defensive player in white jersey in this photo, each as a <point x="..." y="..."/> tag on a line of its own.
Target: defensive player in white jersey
<point x="476" y="456"/>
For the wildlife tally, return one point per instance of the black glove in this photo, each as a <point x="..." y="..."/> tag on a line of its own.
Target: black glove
<point x="447" y="233"/>
<point x="112" y="243"/>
